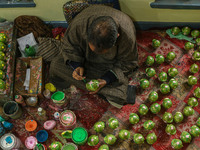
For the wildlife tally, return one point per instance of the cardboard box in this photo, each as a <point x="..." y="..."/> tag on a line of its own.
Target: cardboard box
<point x="36" y="84"/>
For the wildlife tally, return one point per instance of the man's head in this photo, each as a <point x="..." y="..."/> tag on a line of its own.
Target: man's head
<point x="102" y="34"/>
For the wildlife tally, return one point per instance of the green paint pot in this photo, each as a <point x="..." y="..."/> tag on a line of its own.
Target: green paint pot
<point x="60" y="99"/>
<point x="79" y="136"/>
<point x="69" y="146"/>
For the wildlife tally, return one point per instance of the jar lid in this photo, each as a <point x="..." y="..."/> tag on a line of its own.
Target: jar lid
<point x="7" y="141"/>
<point x="79" y="135"/>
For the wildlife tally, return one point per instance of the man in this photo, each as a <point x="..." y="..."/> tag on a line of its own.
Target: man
<point x="100" y="43"/>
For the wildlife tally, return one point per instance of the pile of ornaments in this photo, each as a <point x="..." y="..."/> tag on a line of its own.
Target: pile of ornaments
<point x="3" y="42"/>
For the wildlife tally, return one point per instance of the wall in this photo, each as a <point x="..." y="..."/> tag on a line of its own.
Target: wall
<point x="139" y="10"/>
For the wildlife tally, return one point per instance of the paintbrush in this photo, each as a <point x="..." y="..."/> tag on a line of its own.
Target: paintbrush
<point x="76" y="71"/>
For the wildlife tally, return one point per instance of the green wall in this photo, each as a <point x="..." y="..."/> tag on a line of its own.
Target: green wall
<point x="138" y="10"/>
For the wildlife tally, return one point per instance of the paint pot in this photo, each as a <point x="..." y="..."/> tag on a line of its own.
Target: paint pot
<point x="40" y="147"/>
<point x="55" y="146"/>
<point x="47" y="94"/>
<point x="68" y="119"/>
<point x="60" y="99"/>
<point x="10" y="141"/>
<point x="20" y="100"/>
<point x="79" y="136"/>
<point x="31" y="125"/>
<point x="32" y="101"/>
<point x="12" y="110"/>
<point x="69" y="146"/>
<point x="2" y="130"/>
<point x="56" y="115"/>
<point x="42" y="136"/>
<point x="30" y="142"/>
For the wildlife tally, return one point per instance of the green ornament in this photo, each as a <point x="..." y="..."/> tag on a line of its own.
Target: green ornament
<point x="124" y="134"/>
<point x="164" y="88"/>
<point x="162" y="76"/>
<point x="2" y="55"/>
<point x="178" y="117"/>
<point x="3" y="37"/>
<point x="55" y="146"/>
<point x="155" y="108"/>
<point x="2" y="85"/>
<point x="167" y="117"/>
<point x="195" y="131"/>
<point x="170" y="56"/>
<point x="170" y="129"/>
<point x="197" y="92"/>
<point x="192" y="102"/>
<point x="113" y="123"/>
<point x="150" y="72"/>
<point x="167" y="103"/>
<point x="196" y="56"/>
<point x="198" y="41"/>
<point x="2" y="65"/>
<point x="172" y="72"/>
<point x="138" y="138"/>
<point x="186" y="137"/>
<point x="110" y="139"/>
<point x="103" y="147"/>
<point x="143" y="109"/>
<point x="194" y="68"/>
<point x="160" y="59"/>
<point x="192" y="80"/>
<point x="186" y="30"/>
<point x="173" y="83"/>
<point x="189" y="46"/>
<point x="144" y="83"/>
<point x="93" y="140"/>
<point x="188" y="111"/>
<point x="134" y="118"/>
<point x="198" y="122"/>
<point x="195" y="33"/>
<point x="175" y="30"/>
<point x="30" y="51"/>
<point x="176" y="144"/>
<point x="2" y="46"/>
<point x="155" y="43"/>
<point x="153" y="96"/>
<point x="2" y="74"/>
<point x="149" y="61"/>
<point x="99" y="126"/>
<point x="151" y="138"/>
<point x="92" y="85"/>
<point x="149" y="125"/>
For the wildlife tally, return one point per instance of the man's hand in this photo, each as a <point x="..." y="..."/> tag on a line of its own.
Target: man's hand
<point x="102" y="83"/>
<point x="78" y="73"/>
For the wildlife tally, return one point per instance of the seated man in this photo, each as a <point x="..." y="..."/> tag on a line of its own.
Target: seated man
<point x="100" y="43"/>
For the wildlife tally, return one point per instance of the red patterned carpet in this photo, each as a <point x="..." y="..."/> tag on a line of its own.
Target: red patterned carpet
<point x="90" y="108"/>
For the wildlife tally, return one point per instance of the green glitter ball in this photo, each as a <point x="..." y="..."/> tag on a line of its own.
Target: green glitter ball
<point x="173" y="83"/>
<point x="110" y="139"/>
<point x="172" y="72"/>
<point x="195" y="33"/>
<point x="149" y="61"/>
<point x="192" y="101"/>
<point x="144" y="83"/>
<point x="134" y="118"/>
<point x="124" y="134"/>
<point x="176" y="144"/>
<point x="170" y="129"/>
<point x="164" y="88"/>
<point x="188" y="111"/>
<point x="167" y="103"/>
<point x="99" y="126"/>
<point x="162" y="76"/>
<point x="151" y="138"/>
<point x="160" y="59"/>
<point x="150" y="72"/>
<point x="195" y="131"/>
<point x="178" y="117"/>
<point x="138" y="138"/>
<point x="186" y="30"/>
<point x="175" y="30"/>
<point x="153" y="96"/>
<point x="143" y="109"/>
<point x="186" y="137"/>
<point x="149" y="125"/>
<point x="155" y="43"/>
<point x="167" y="117"/>
<point x="155" y="108"/>
<point x="93" y="140"/>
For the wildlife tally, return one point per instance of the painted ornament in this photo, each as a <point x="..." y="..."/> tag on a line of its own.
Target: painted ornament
<point x="197" y="92"/>
<point x="188" y="111"/>
<point x="172" y="72"/>
<point x="2" y="56"/>
<point x="2" y="46"/>
<point x="192" y="80"/>
<point x="176" y="144"/>
<point x="164" y="88"/>
<point x="198" y="41"/>
<point x="159" y="59"/>
<point x="178" y="117"/>
<point x="192" y="101"/>
<point x="138" y="138"/>
<point x="149" y="61"/>
<point x="149" y="125"/>
<point x="196" y="56"/>
<point x="155" y="43"/>
<point x="195" y="131"/>
<point x="186" y="137"/>
<point x="189" y="46"/>
<point x="162" y="76"/>
<point x="143" y="109"/>
<point x="3" y="37"/>
<point x="155" y="108"/>
<point x="2" y="74"/>
<point x="170" y="129"/>
<point x="99" y="126"/>
<point x="194" y="68"/>
<point x="195" y="33"/>
<point x="150" y="72"/>
<point x="92" y="85"/>
<point x="167" y="117"/>
<point x="186" y="30"/>
<point x="2" y="65"/>
<point x="110" y="139"/>
<point x="151" y="138"/>
<point x="153" y="96"/>
<point x="103" y="147"/>
<point x="124" y="134"/>
<point x="175" y="30"/>
<point x="2" y="85"/>
<point x="113" y="123"/>
<point x="170" y="56"/>
<point x="144" y="83"/>
<point x="134" y="118"/>
<point x="173" y="83"/>
<point x="167" y="103"/>
<point x="93" y="140"/>
<point x="198" y="122"/>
